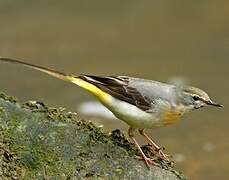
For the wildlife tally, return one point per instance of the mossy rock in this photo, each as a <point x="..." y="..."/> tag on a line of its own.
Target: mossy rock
<point x="38" y="142"/>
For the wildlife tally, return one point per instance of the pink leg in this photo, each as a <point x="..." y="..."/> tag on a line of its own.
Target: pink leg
<point x="147" y="160"/>
<point x="161" y="154"/>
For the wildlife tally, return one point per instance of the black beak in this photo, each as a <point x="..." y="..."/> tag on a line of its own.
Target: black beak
<point x="211" y="103"/>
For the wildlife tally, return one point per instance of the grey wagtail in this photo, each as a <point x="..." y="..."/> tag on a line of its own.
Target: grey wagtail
<point x="141" y="103"/>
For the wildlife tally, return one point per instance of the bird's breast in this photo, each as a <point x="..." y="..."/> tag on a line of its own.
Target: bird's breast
<point x="171" y="116"/>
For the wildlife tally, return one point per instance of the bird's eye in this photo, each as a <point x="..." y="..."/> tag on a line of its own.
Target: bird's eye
<point x="196" y="98"/>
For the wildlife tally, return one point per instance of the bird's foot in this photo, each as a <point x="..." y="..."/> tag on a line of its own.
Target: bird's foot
<point x="148" y="161"/>
<point x="160" y="154"/>
<point x="164" y="156"/>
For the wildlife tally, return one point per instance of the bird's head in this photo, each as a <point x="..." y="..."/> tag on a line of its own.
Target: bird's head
<point x="194" y="98"/>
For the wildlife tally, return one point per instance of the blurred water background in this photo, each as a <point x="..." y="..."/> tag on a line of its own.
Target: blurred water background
<point x="156" y="40"/>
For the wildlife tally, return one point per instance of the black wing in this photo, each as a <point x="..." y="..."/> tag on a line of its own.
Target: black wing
<point x="119" y="88"/>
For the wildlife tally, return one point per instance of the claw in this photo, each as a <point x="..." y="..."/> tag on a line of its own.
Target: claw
<point x="148" y="161"/>
<point x="164" y="156"/>
<point x="155" y="149"/>
<point x="143" y="157"/>
<point x="159" y="152"/>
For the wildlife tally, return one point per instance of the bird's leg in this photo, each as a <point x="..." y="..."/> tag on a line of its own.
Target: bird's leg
<point x="147" y="160"/>
<point x="161" y="154"/>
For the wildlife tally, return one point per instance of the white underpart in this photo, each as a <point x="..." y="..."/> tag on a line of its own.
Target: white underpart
<point x="132" y="115"/>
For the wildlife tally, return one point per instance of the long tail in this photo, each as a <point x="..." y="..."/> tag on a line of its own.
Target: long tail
<point x="51" y="72"/>
<point x="69" y="78"/>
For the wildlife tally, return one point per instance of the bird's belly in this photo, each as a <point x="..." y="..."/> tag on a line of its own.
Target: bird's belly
<point x="140" y="119"/>
<point x="132" y="115"/>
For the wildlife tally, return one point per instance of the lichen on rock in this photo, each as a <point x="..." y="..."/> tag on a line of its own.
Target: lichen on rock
<point x="38" y="142"/>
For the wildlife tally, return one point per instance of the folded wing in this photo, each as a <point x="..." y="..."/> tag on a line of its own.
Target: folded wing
<point x="119" y="88"/>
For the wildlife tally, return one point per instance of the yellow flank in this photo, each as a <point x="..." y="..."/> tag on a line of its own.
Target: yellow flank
<point x="104" y="97"/>
<point x="171" y="117"/>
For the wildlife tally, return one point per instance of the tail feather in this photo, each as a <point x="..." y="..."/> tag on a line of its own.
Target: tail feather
<point x="51" y="72"/>
<point x="69" y="78"/>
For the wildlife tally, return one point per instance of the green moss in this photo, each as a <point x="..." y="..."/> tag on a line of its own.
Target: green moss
<point x="8" y="162"/>
<point x="119" y="139"/>
<point x="8" y="98"/>
<point x="50" y="143"/>
<point x="2" y="110"/>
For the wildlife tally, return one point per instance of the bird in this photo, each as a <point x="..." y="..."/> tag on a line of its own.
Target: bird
<point x="141" y="103"/>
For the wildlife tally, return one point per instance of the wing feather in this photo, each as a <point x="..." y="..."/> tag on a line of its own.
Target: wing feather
<point x="119" y="88"/>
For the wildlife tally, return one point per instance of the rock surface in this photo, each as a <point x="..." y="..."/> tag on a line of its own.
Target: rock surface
<point x="38" y="142"/>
